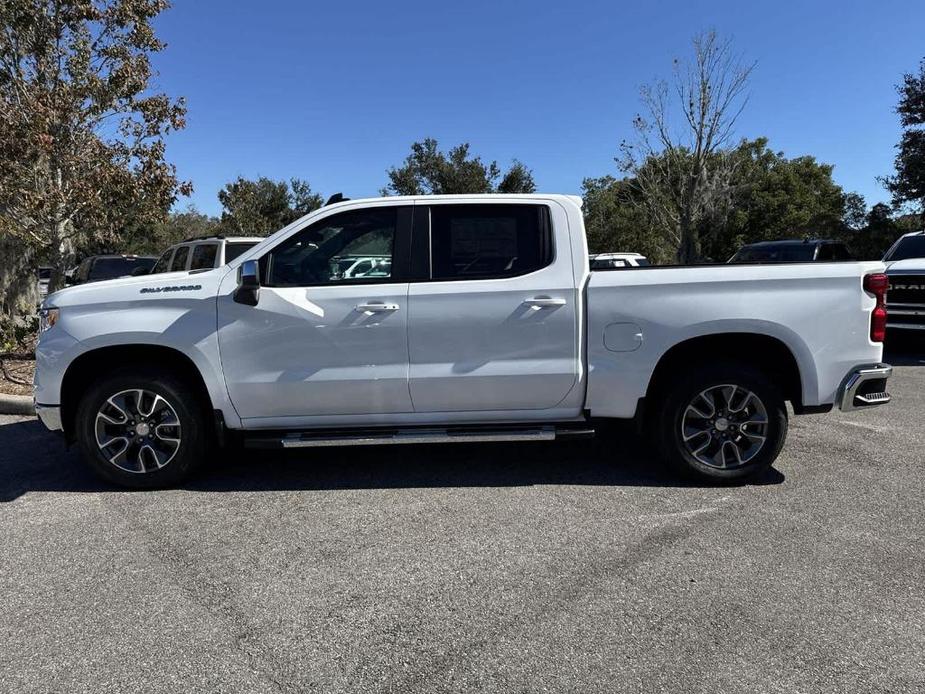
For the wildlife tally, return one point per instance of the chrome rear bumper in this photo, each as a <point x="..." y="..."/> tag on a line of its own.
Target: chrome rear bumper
<point x="865" y="387"/>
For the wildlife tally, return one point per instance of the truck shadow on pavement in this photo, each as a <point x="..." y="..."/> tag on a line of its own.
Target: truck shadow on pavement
<point x="33" y="460"/>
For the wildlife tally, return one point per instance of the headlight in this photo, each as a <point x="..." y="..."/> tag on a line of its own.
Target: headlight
<point x="48" y="316"/>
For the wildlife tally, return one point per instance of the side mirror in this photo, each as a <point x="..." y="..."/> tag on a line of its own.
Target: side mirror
<point x="139" y="271"/>
<point x="248" y="291"/>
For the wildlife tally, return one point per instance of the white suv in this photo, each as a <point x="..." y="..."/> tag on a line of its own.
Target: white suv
<point x="609" y="261"/>
<point x="204" y="253"/>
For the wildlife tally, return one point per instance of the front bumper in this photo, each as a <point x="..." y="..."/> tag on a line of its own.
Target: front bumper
<point x="50" y="416"/>
<point x="865" y="387"/>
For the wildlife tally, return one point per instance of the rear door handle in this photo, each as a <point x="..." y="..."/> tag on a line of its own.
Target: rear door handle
<point x="544" y="301"/>
<point x="376" y="307"/>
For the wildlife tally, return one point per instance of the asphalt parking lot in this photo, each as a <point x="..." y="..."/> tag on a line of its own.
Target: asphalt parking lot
<point x="532" y="567"/>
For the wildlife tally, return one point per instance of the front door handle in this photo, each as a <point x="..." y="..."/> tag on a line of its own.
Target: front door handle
<point x="544" y="302"/>
<point x="376" y="307"/>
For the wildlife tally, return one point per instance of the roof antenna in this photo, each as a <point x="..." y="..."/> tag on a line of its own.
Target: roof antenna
<point x="337" y="197"/>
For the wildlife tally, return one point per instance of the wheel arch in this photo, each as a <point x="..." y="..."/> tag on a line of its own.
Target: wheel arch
<point x="764" y="352"/>
<point x="88" y="366"/>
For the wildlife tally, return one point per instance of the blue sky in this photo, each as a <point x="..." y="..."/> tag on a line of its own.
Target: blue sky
<point x="335" y="93"/>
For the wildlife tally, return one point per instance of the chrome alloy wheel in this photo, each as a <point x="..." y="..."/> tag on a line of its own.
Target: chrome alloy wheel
<point x="137" y="431"/>
<point x="725" y="426"/>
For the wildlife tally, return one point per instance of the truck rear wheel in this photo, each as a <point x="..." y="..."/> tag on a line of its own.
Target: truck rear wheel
<point x="141" y="428"/>
<point x="722" y="423"/>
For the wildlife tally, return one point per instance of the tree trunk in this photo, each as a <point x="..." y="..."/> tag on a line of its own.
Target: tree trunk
<point x="18" y="281"/>
<point x="60" y="257"/>
<point x="689" y="248"/>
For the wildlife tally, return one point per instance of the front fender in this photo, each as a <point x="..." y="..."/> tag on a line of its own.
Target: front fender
<point x="187" y="326"/>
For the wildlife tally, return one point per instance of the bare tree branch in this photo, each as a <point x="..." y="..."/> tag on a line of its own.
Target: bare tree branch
<point x="681" y="176"/>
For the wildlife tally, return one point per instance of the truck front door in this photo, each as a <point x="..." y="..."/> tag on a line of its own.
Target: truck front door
<point x="319" y="342"/>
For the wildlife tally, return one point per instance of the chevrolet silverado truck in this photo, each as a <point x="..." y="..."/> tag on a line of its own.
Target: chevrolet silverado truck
<point x="905" y="266"/>
<point x="486" y="324"/>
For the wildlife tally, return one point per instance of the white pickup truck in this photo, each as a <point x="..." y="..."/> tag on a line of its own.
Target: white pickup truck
<point x="486" y="325"/>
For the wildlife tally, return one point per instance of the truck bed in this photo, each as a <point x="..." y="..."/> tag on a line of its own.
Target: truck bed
<point x="819" y="311"/>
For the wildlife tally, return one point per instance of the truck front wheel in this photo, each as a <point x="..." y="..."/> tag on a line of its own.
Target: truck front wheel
<point x="722" y="422"/>
<point x="141" y="428"/>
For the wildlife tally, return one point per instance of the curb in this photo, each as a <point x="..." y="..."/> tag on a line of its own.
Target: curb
<point x="16" y="404"/>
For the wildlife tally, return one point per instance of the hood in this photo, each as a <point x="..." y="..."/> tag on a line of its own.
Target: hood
<point x="164" y="284"/>
<point x="908" y="265"/>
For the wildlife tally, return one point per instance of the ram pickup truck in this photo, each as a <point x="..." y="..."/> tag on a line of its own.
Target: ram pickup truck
<point x="485" y="325"/>
<point x="905" y="266"/>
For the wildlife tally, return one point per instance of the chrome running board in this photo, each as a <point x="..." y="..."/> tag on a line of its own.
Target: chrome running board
<point x="422" y="435"/>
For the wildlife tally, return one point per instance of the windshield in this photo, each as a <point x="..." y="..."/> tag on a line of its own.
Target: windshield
<point x="233" y="250"/>
<point x="778" y="253"/>
<point x="109" y="268"/>
<point x="909" y="247"/>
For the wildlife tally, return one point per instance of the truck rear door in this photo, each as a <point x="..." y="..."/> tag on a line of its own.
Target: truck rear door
<point x="494" y="325"/>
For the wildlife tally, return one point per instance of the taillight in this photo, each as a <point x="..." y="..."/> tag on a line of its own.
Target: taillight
<point x="877" y="285"/>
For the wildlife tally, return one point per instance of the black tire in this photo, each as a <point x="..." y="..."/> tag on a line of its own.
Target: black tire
<point x="180" y="462"/>
<point x="678" y="414"/>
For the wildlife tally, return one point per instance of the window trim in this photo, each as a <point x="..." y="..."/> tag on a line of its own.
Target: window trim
<point x="401" y="249"/>
<point x="424" y="245"/>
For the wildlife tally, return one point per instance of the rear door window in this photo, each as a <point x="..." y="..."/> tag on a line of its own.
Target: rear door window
<point x="489" y="241"/>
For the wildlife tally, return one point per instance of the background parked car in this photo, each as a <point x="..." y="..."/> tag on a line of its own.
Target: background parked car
<point x="107" y="267"/>
<point x="204" y="253"/>
<point x="905" y="301"/>
<point x="608" y="261"/>
<point x="356" y="266"/>
<point x="792" y="251"/>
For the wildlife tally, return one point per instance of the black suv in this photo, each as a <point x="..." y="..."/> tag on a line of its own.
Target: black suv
<point x="793" y="251"/>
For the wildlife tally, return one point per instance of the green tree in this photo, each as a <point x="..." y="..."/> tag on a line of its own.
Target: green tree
<point x="263" y="206"/>
<point x="615" y="222"/>
<point x="768" y="196"/>
<point x="877" y="235"/>
<point x="773" y="197"/>
<point x="179" y="225"/>
<point x="428" y="171"/>
<point x="908" y="184"/>
<point x="82" y="137"/>
<point x="879" y="231"/>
